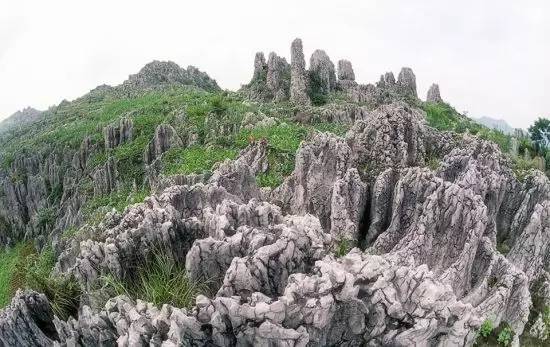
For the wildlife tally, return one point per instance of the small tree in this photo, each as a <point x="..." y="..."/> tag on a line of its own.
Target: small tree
<point x="540" y="135"/>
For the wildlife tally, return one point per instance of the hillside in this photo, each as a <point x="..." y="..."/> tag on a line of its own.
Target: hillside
<point x="304" y="209"/>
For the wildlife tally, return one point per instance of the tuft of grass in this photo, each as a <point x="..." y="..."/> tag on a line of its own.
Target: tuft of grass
<point x="160" y="281"/>
<point x="46" y="217"/>
<point x="69" y="233"/>
<point x="21" y="267"/>
<point x="343" y="246"/>
<point x="63" y="292"/>
<point x="282" y="141"/>
<point x="521" y="166"/>
<point x="433" y="163"/>
<point x="503" y="247"/>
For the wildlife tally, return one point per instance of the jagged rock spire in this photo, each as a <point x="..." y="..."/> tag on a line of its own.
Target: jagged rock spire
<point x="322" y="72"/>
<point x="278" y="72"/>
<point x="433" y="94"/>
<point x="345" y="70"/>
<point x="386" y="80"/>
<point x="407" y="81"/>
<point x="260" y="67"/>
<point x="298" y="78"/>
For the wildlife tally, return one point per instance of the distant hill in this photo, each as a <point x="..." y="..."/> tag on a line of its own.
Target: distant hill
<point x="498" y="124"/>
<point x="25" y="116"/>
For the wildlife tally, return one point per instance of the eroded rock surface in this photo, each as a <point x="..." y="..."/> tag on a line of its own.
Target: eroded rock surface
<point x="433" y="94"/>
<point x="322" y="72"/>
<point x="427" y="267"/>
<point x="298" y="77"/>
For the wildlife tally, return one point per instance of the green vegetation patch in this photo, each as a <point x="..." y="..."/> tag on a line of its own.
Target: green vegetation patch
<point x="9" y="258"/>
<point x="194" y="159"/>
<point x="444" y="117"/>
<point x="22" y="267"/>
<point x="118" y="200"/>
<point x="489" y="335"/>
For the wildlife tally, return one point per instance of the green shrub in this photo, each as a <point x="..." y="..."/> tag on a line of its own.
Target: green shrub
<point x="488" y="335"/>
<point x="160" y="281"/>
<point x="522" y="166"/>
<point x="486" y="328"/>
<point x="505" y="336"/>
<point x="21" y="267"/>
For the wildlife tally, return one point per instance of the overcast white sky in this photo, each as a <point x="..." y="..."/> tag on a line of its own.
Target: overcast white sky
<point x="490" y="58"/>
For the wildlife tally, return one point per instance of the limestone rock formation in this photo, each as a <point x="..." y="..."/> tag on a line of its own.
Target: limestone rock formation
<point x="363" y="243"/>
<point x="158" y="74"/>
<point x="298" y="77"/>
<point x="271" y="80"/>
<point x="117" y="134"/>
<point x="28" y="321"/>
<point x="427" y="238"/>
<point x="278" y="77"/>
<point x="392" y="136"/>
<point x="433" y="94"/>
<point x="105" y="178"/>
<point x="165" y="138"/>
<point x="260" y="67"/>
<point x="407" y="82"/>
<point x="309" y="189"/>
<point x="345" y="70"/>
<point x="321" y="72"/>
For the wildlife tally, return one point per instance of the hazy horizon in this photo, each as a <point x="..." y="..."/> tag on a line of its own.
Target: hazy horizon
<point x="489" y="59"/>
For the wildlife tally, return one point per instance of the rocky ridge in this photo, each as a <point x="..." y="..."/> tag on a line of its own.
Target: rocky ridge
<point x="424" y="265"/>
